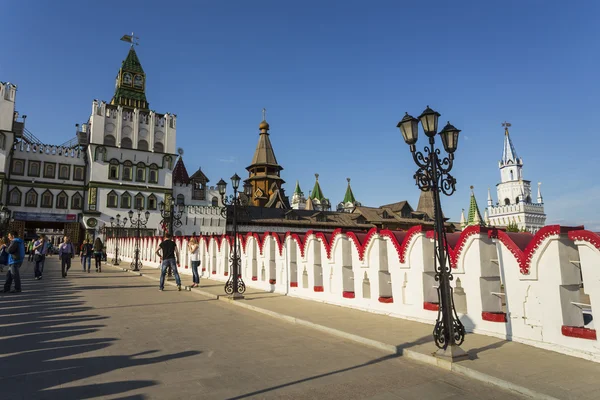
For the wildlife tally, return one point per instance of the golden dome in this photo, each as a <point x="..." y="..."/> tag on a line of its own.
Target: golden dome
<point x="263" y="125"/>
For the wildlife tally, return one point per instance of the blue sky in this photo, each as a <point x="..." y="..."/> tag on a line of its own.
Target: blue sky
<point x="335" y="77"/>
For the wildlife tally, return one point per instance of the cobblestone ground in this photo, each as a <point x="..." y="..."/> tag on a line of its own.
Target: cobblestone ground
<point x="113" y="335"/>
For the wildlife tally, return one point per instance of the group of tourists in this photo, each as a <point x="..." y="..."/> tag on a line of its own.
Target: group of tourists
<point x="12" y="255"/>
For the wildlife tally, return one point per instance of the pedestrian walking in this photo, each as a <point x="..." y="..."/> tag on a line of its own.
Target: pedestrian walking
<point x="194" y="251"/>
<point x="87" y="251"/>
<point x="16" y="256"/>
<point x="40" y="248"/>
<point x="98" y="249"/>
<point x="30" y="250"/>
<point x="65" y="253"/>
<point x="3" y="253"/>
<point x="167" y="250"/>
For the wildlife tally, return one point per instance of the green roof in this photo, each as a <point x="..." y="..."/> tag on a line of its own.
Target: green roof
<point x="474" y="217"/>
<point x="317" y="193"/>
<point x="349" y="197"/>
<point x="132" y="62"/>
<point x="130" y="94"/>
<point x="297" y="190"/>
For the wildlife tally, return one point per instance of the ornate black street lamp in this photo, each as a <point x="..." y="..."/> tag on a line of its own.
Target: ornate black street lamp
<point x="138" y="223"/>
<point x="171" y="218"/>
<point x="116" y="225"/>
<point x="234" y="286"/>
<point x="433" y="175"/>
<point x="4" y="219"/>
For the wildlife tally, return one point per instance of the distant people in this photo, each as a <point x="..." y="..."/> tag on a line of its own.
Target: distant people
<point x="66" y="251"/>
<point x="16" y="256"/>
<point x="30" y="250"/>
<point x="87" y="251"/>
<point x="3" y="254"/>
<point x="40" y="248"/>
<point x="194" y="251"/>
<point x="98" y="250"/>
<point x="167" y="250"/>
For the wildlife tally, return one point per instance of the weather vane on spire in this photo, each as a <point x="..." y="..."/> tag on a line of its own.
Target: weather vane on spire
<point x="264" y="111"/>
<point x="131" y="39"/>
<point x="506" y="124"/>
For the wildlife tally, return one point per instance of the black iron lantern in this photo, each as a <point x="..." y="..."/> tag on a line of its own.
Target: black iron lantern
<point x="449" y="137"/>
<point x="429" y="120"/>
<point x="235" y="181"/>
<point x="130" y="214"/>
<point x="409" y="126"/>
<point x="222" y="187"/>
<point x="248" y="188"/>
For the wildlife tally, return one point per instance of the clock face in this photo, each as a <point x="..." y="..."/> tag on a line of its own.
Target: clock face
<point x="127" y="78"/>
<point x="138" y="82"/>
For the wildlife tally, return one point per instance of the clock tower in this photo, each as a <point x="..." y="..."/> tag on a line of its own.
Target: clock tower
<point x="131" y="84"/>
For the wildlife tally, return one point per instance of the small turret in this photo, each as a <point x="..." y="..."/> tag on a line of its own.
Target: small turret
<point x="540" y="199"/>
<point x="463" y="222"/>
<point x="490" y="202"/>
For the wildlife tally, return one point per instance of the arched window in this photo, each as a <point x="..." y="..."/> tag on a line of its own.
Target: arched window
<point x="109" y="140"/>
<point x="64" y="171"/>
<point x="215" y="202"/>
<point x="77" y="201"/>
<point x="511" y="175"/>
<point x="126" y="143"/>
<point x="47" y="199"/>
<point x="139" y="201"/>
<point x="528" y="200"/>
<point x="517" y="200"/>
<point x="112" y="199"/>
<point x="113" y="169"/>
<point x="158" y="147"/>
<point x="168" y="162"/>
<point x="127" y="171"/>
<point x="18" y="167"/>
<point x="153" y="178"/>
<point x="126" y="200"/>
<point x="100" y="153"/>
<point x="34" y="168"/>
<point x="507" y="202"/>
<point x="31" y="198"/>
<point x="140" y="172"/>
<point x="62" y="200"/>
<point x="180" y="199"/>
<point x="14" y="197"/>
<point x="142" y="145"/>
<point x="152" y="202"/>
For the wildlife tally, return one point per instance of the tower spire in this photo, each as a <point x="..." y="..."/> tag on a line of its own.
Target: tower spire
<point x="490" y="201"/>
<point x="509" y="154"/>
<point x="540" y="199"/>
<point x="474" y="216"/>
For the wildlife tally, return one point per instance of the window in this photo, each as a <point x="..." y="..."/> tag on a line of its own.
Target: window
<point x="142" y="145"/>
<point x="109" y="140"/>
<point x="517" y="200"/>
<point x="506" y="202"/>
<point x="152" y="202"/>
<point x="31" y="198"/>
<point x="528" y="200"/>
<point x="14" y="198"/>
<point x="49" y="170"/>
<point x="180" y="199"/>
<point x="158" y="147"/>
<point x="215" y="202"/>
<point x="47" y="199"/>
<point x="140" y="172"/>
<point x="2" y="141"/>
<point x="78" y="173"/>
<point x="168" y="161"/>
<point x="77" y="201"/>
<point x="126" y="200"/>
<point x="64" y="171"/>
<point x="18" y="167"/>
<point x="139" y="201"/>
<point x="127" y="171"/>
<point x="62" y="200"/>
<point x="153" y="178"/>
<point x="198" y="191"/>
<point x="126" y="143"/>
<point x="100" y="153"/>
<point x="112" y="199"/>
<point x="34" y="168"/>
<point x="113" y="169"/>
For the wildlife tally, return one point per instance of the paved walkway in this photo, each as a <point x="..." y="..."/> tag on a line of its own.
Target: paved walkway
<point x="529" y="370"/>
<point x="113" y="335"/>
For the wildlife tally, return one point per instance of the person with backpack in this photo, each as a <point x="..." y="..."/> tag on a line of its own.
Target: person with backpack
<point x="65" y="253"/>
<point x="16" y="256"/>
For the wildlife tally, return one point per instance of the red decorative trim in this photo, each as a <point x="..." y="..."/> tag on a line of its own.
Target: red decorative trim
<point x="431" y="306"/>
<point x="226" y="273"/>
<point x="293" y="284"/>
<point x="456" y="251"/>
<point x="272" y="281"/>
<point x="214" y="272"/>
<point x="577" y="332"/>
<point x="493" y="316"/>
<point x="401" y="239"/>
<point x="203" y="269"/>
<point x="586" y="236"/>
<point x="328" y="243"/>
<point x="348" y="295"/>
<point x="319" y="289"/>
<point x="255" y="278"/>
<point x="300" y="241"/>
<point x="386" y="300"/>
<point x="239" y="276"/>
<point x="279" y="239"/>
<point x="186" y="267"/>
<point x="524" y="257"/>
<point x="366" y="238"/>
<point x="244" y="240"/>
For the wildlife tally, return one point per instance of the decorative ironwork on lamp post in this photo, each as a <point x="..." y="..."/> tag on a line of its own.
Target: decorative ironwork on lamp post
<point x="171" y="218"/>
<point x="138" y="223"/>
<point x="4" y="219"/>
<point x="234" y="286"/>
<point x="116" y="225"/>
<point x="433" y="175"/>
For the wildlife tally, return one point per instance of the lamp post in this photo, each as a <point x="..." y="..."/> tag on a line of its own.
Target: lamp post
<point x="433" y="175"/>
<point x="234" y="286"/>
<point x="117" y="224"/>
<point x="4" y="219"/>
<point x="138" y="223"/>
<point x="171" y="218"/>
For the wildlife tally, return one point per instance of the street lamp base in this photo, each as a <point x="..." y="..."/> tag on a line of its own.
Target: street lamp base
<point x="452" y="353"/>
<point x="236" y="296"/>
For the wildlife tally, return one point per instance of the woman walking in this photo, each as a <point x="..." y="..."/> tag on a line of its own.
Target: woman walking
<point x="98" y="248"/>
<point x="194" y="251"/>
<point x="87" y="251"/>
<point x="65" y="253"/>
